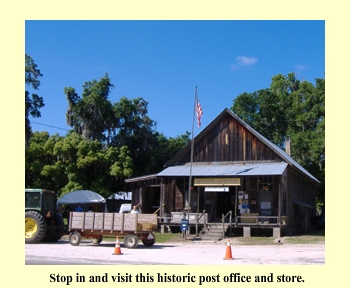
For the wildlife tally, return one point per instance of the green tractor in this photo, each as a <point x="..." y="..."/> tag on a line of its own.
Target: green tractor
<point x="42" y="220"/>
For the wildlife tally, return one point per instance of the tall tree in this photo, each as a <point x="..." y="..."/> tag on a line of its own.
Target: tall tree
<point x="39" y="158"/>
<point x="262" y="109"/>
<point x="125" y="123"/>
<point x="307" y="129"/>
<point x="71" y="163"/>
<point x="290" y="108"/>
<point x="135" y="129"/>
<point x="132" y="118"/>
<point x="35" y="159"/>
<point x="33" y="102"/>
<point x="90" y="115"/>
<point x="167" y="148"/>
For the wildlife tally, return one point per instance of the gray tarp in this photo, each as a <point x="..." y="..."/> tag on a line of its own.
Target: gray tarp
<point x="81" y="197"/>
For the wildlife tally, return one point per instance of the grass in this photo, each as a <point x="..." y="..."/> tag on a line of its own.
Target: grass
<point x="166" y="237"/>
<point x="314" y="237"/>
<point x="160" y="237"/>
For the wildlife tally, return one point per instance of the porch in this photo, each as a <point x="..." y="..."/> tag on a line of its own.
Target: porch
<point x="228" y="226"/>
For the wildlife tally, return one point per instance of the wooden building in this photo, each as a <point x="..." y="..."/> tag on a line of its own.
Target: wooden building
<point x="235" y="171"/>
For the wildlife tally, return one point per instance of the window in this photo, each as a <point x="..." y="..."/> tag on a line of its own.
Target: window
<point x="265" y="183"/>
<point x="32" y="200"/>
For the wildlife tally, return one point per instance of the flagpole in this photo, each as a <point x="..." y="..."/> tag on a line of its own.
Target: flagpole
<point x="191" y="159"/>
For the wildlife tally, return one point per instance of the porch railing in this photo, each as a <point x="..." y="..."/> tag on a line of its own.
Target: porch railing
<point x="261" y="220"/>
<point x="228" y="214"/>
<point x="198" y="219"/>
<point x="177" y="217"/>
<point x="200" y="216"/>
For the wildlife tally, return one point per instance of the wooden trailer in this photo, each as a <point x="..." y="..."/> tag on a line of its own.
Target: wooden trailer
<point x="95" y="225"/>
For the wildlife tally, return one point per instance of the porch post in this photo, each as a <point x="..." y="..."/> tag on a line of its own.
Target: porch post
<point x="279" y="200"/>
<point x="236" y="202"/>
<point x="197" y="210"/>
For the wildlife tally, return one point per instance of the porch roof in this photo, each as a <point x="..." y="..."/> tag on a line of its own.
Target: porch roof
<point x="254" y="169"/>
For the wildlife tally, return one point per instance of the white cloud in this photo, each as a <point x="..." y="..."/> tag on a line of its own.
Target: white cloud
<point x="246" y="61"/>
<point x="300" y="67"/>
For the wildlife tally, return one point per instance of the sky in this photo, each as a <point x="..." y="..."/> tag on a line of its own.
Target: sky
<point x="164" y="61"/>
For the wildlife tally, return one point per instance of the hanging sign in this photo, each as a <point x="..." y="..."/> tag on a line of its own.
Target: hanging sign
<point x="217" y="181"/>
<point x="216" y="189"/>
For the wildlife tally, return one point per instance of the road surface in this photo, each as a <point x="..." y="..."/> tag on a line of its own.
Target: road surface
<point x="178" y="253"/>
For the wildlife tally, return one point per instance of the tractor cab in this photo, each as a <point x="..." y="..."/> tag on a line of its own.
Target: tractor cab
<point x="42" y="221"/>
<point x="41" y="200"/>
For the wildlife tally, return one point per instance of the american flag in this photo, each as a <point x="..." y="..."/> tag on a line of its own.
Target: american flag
<point x="199" y="111"/>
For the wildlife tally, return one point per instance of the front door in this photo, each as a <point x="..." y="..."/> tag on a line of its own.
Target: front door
<point x="224" y="203"/>
<point x="151" y="199"/>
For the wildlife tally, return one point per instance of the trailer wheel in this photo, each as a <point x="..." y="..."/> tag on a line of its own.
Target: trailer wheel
<point x="75" y="238"/>
<point x="131" y="241"/>
<point x="148" y="242"/>
<point x="96" y="240"/>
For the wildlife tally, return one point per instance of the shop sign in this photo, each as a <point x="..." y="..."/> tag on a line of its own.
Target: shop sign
<point x="217" y="181"/>
<point x="216" y="189"/>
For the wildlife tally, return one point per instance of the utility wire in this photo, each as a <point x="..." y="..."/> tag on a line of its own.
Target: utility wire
<point x="49" y="126"/>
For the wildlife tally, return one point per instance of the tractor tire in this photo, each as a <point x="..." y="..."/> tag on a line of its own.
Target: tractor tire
<point x="148" y="242"/>
<point x="55" y="229"/>
<point x="131" y="241"/>
<point x="35" y="227"/>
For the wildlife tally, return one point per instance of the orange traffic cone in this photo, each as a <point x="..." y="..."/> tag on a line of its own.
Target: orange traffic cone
<point x="117" y="250"/>
<point x="228" y="255"/>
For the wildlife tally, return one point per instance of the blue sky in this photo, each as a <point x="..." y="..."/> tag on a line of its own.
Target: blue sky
<point x="163" y="62"/>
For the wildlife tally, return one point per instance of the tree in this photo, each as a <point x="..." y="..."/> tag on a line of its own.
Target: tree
<point x="132" y="120"/>
<point x="39" y="158"/>
<point x="91" y="115"/>
<point x="33" y="102"/>
<point x="135" y="129"/>
<point x="169" y="147"/>
<point x="290" y="108"/>
<point x="125" y="123"/>
<point x="246" y="107"/>
<point x="160" y="150"/>
<point x="70" y="163"/>
<point x="307" y="129"/>
<point x="262" y="109"/>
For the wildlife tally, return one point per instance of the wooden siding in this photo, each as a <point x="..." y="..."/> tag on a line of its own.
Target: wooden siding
<point x="303" y="191"/>
<point x="229" y="141"/>
<point x="300" y="195"/>
<point x="168" y="195"/>
<point x="179" y="197"/>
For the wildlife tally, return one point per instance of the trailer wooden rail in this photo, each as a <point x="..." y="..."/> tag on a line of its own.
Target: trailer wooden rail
<point x="95" y="225"/>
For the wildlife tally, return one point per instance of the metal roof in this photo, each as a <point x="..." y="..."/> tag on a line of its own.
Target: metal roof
<point x="141" y="178"/>
<point x="81" y="197"/>
<point x="255" y="169"/>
